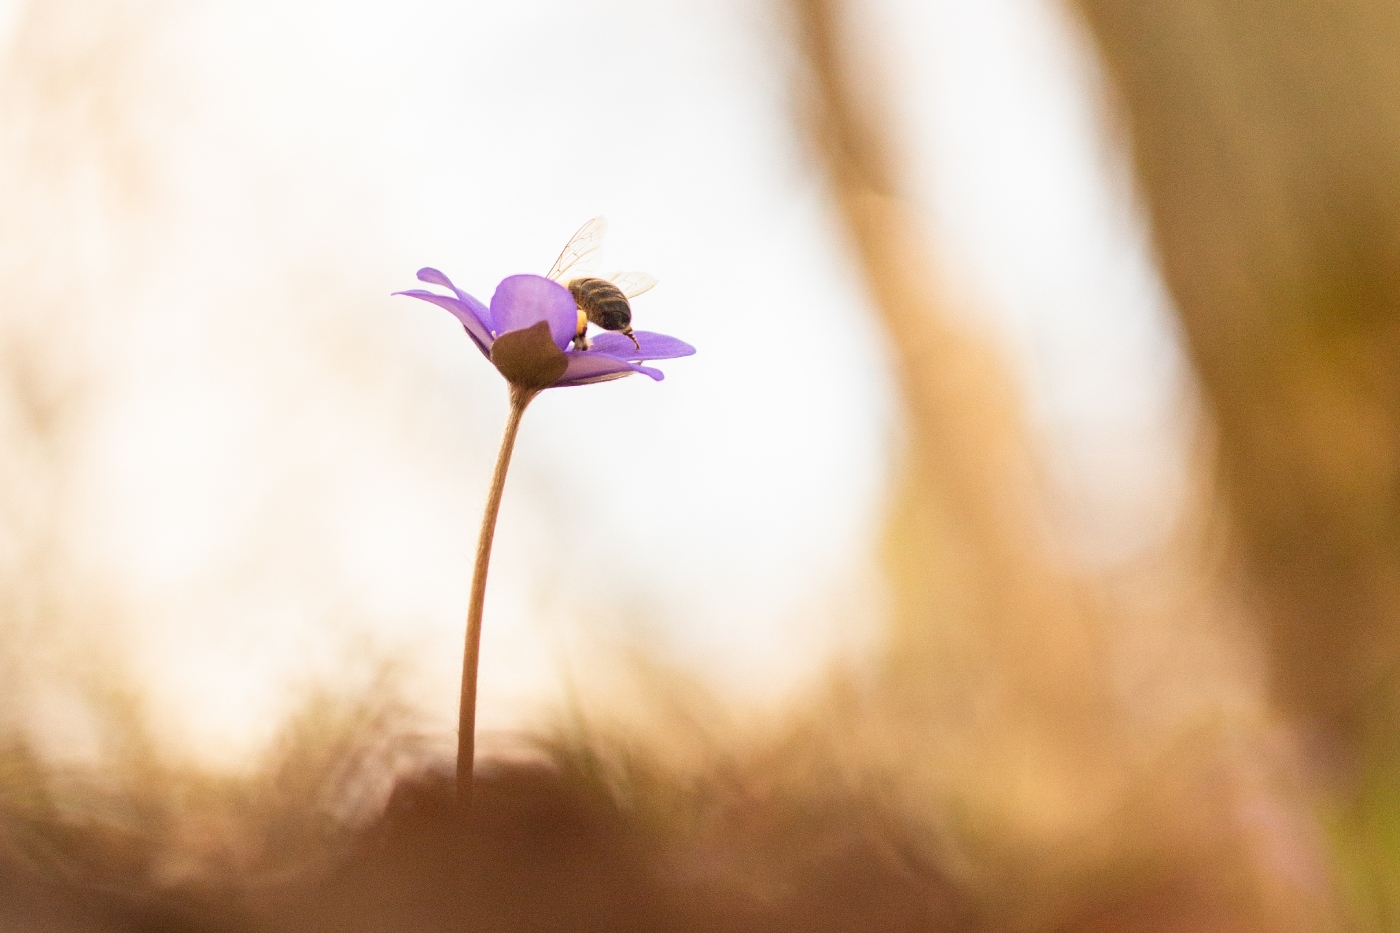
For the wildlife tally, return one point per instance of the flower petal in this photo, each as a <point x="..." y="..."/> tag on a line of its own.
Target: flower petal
<point x="585" y="367"/>
<point x="434" y="277"/>
<point x="523" y="300"/>
<point x="649" y="346"/>
<point x="476" y="328"/>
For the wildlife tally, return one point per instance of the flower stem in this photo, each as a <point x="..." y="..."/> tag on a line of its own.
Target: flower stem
<point x="466" y="722"/>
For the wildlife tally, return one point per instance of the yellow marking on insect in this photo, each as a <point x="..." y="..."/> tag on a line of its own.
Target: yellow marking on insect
<point x="582" y="321"/>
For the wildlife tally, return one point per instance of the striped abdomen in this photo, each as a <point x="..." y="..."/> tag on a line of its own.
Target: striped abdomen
<point x="603" y="303"/>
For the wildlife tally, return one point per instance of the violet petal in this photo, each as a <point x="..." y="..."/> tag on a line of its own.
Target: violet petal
<point x="434" y="277"/>
<point x="475" y="327"/>
<point x="586" y="367"/>
<point x="649" y="346"/>
<point x="523" y="300"/>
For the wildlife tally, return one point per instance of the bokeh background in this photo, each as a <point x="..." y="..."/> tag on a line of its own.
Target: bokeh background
<point x="1018" y="552"/>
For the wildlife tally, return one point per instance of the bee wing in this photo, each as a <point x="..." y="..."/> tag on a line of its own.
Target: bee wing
<point x="581" y="252"/>
<point x="632" y="284"/>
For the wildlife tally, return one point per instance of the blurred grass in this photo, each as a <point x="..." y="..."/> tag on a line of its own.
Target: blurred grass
<point x="593" y="834"/>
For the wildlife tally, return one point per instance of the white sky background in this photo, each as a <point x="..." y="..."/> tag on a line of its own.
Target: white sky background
<point x="293" y="466"/>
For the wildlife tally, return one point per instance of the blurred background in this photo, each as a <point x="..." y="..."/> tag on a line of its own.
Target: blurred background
<point x="1019" y="552"/>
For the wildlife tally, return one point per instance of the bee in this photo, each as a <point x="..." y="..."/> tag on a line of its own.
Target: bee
<point x="601" y="300"/>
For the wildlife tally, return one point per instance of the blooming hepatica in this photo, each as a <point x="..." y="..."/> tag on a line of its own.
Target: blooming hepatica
<point x="528" y="334"/>
<point x="534" y="334"/>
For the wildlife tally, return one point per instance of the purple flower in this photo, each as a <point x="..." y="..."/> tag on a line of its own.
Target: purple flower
<point x="528" y="334"/>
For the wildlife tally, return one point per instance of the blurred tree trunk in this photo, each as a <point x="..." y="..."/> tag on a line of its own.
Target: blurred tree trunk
<point x="996" y="671"/>
<point x="1267" y="138"/>
<point x="996" y="698"/>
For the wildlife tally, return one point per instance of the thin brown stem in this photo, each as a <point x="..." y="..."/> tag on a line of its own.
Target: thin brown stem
<point x="466" y="721"/>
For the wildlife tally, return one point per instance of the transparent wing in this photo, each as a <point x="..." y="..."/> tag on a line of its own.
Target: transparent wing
<point x="632" y="284"/>
<point x="581" y="252"/>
